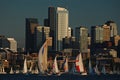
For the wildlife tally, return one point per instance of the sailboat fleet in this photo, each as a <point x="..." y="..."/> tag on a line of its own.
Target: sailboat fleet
<point x="77" y="68"/>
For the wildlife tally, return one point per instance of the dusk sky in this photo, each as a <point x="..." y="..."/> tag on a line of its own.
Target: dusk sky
<point x="81" y="13"/>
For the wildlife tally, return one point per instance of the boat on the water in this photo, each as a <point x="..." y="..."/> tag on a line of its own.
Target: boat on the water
<point x="42" y="59"/>
<point x="2" y="71"/>
<point x="11" y="71"/>
<point x="25" y="71"/>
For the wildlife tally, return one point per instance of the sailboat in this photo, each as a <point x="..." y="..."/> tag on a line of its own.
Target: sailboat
<point x="36" y="70"/>
<point x="65" y="65"/>
<point x="103" y="70"/>
<point x="55" y="66"/>
<point x="79" y="65"/>
<point x="96" y="70"/>
<point x="90" y="68"/>
<point x="42" y="58"/>
<point x="73" y="69"/>
<point x="11" y="71"/>
<point x="30" y="70"/>
<point x="2" y="70"/>
<point x="25" y="66"/>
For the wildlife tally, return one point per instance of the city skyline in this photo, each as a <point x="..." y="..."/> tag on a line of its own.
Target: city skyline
<point x="81" y="13"/>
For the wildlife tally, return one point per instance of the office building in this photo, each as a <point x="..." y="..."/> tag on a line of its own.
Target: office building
<point x="82" y="38"/>
<point x="58" y="22"/>
<point x="69" y="43"/>
<point x="96" y="34"/>
<point x="4" y="43"/>
<point x="113" y="28"/>
<point x="52" y="25"/>
<point x="31" y="24"/>
<point x="62" y="26"/>
<point x="116" y="40"/>
<point x="69" y="32"/>
<point x="106" y="33"/>
<point x="13" y="44"/>
<point x="41" y="34"/>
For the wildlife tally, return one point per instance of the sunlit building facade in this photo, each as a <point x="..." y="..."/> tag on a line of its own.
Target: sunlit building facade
<point x="82" y="38"/>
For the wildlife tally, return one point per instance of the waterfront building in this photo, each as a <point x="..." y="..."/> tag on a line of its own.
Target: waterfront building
<point x="82" y="38"/>
<point x="31" y="24"/>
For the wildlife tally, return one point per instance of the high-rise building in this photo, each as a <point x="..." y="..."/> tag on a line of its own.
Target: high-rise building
<point x="41" y="34"/>
<point x="116" y="40"/>
<point x="82" y="38"/>
<point x="113" y="28"/>
<point x="46" y="22"/>
<point x="69" y="43"/>
<point x="31" y="24"/>
<point x="13" y="44"/>
<point x="38" y="37"/>
<point x="96" y="34"/>
<point x="4" y="43"/>
<point x="106" y="33"/>
<point x="52" y="25"/>
<point x="58" y="22"/>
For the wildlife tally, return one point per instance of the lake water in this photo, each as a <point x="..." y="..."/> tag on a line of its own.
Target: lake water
<point x="55" y="77"/>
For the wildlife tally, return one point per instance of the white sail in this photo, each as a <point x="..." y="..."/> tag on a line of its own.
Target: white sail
<point x="79" y="63"/>
<point x="42" y="58"/>
<point x="66" y="65"/>
<point x="2" y="70"/>
<point x="25" y="66"/>
<point x="11" y="71"/>
<point x="96" y="70"/>
<point x="55" y="66"/>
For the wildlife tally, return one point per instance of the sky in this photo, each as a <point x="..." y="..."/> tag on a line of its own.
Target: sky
<point x="81" y="13"/>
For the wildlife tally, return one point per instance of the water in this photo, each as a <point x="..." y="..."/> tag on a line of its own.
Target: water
<point x="54" y="77"/>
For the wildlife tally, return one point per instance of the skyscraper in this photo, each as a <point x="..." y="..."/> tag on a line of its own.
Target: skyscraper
<point x="96" y="34"/>
<point x="113" y="28"/>
<point x="61" y="26"/>
<point x="31" y="24"/>
<point x="4" y="43"/>
<point x="106" y="33"/>
<point x="41" y="34"/>
<point x="82" y="38"/>
<point x="52" y="25"/>
<point x="58" y="22"/>
<point x="13" y="44"/>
